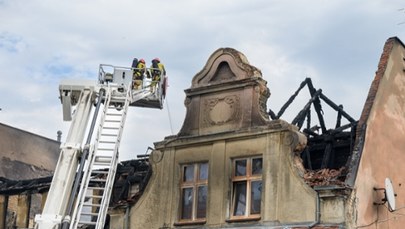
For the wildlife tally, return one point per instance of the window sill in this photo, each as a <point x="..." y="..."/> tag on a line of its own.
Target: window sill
<point x="186" y="223"/>
<point x="244" y="219"/>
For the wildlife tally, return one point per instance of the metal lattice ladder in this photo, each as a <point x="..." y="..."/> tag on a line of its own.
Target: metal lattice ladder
<point x="98" y="179"/>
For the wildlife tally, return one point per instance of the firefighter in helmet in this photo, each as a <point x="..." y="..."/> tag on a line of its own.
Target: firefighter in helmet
<point x="139" y="72"/>
<point x="157" y="70"/>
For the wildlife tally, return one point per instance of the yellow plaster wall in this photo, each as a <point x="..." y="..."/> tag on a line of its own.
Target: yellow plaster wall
<point x="285" y="197"/>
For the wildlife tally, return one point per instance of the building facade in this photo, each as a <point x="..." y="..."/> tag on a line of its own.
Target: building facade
<point x="230" y="166"/>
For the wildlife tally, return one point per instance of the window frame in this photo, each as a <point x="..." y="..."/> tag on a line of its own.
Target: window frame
<point x="247" y="178"/>
<point x="194" y="184"/>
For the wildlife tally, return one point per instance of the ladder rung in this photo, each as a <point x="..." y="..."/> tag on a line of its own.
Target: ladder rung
<point x="105" y="149"/>
<point x="102" y="162"/>
<point x="110" y="120"/>
<point x="95" y="197"/>
<point x="87" y="222"/>
<point x="119" y="99"/>
<point x="99" y="172"/>
<point x="97" y="188"/>
<point x="108" y="142"/>
<point x="111" y="135"/>
<point x="98" y="180"/>
<point x="110" y="128"/>
<point x="113" y="107"/>
<point x="105" y="157"/>
<point x="91" y="205"/>
<point x="113" y="114"/>
<point x="116" y="102"/>
<point x="90" y="213"/>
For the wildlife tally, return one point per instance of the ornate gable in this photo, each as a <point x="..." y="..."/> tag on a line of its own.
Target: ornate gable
<point x="225" y="64"/>
<point x="228" y="94"/>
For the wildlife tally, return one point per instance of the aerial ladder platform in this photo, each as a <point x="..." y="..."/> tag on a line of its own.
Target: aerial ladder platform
<point x="82" y="184"/>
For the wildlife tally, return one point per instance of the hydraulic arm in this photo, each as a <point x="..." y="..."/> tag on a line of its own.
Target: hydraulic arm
<point x="84" y="175"/>
<point x="63" y="178"/>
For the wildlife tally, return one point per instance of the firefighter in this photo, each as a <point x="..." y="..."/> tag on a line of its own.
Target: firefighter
<point x="139" y="72"/>
<point x="157" y="70"/>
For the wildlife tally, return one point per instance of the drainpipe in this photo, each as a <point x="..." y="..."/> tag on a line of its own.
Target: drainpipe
<point x="318" y="211"/>
<point x="126" y="221"/>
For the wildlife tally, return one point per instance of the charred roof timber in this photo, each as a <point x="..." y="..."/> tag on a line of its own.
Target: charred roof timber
<point x="129" y="173"/>
<point x="331" y="148"/>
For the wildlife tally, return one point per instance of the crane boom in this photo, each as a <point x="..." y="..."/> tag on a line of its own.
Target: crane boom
<point x="84" y="175"/>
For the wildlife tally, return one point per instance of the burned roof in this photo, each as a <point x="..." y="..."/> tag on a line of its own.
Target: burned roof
<point x="326" y="155"/>
<point x="129" y="173"/>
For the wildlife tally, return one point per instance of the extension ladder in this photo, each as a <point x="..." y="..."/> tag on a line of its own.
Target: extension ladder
<point x="98" y="179"/>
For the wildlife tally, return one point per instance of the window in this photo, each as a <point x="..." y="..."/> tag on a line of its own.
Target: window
<point x="194" y="192"/>
<point x="246" y="188"/>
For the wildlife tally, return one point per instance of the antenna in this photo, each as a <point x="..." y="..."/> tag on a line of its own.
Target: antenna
<point x="389" y="195"/>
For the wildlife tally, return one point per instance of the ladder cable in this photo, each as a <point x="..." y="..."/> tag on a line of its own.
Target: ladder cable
<point x="170" y="117"/>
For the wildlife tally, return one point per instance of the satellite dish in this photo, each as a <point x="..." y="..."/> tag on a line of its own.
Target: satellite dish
<point x="389" y="194"/>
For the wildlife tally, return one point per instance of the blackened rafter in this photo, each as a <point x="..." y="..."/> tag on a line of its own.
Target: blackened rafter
<point x="330" y="141"/>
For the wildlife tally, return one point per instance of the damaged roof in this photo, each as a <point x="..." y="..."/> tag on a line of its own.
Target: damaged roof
<point x="332" y="156"/>
<point x="327" y="151"/>
<point x="129" y="173"/>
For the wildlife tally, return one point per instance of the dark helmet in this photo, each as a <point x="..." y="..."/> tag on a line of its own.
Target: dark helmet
<point x="134" y="62"/>
<point x="156" y="60"/>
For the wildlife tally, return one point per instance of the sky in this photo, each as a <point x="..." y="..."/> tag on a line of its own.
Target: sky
<point x="337" y="43"/>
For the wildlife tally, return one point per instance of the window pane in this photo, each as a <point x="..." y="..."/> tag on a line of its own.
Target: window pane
<point x="256" y="194"/>
<point x="202" y="202"/>
<point x="188" y="173"/>
<point x="187" y="203"/>
<point x="239" y="201"/>
<point x="257" y="166"/>
<point x="240" y="168"/>
<point x="203" y="171"/>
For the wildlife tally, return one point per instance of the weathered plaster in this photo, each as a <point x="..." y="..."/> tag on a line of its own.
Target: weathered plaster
<point x="382" y="154"/>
